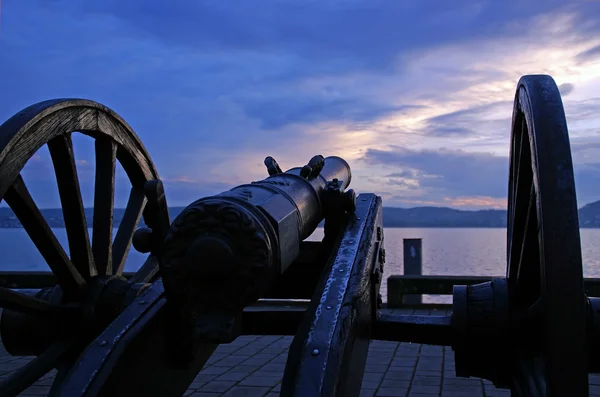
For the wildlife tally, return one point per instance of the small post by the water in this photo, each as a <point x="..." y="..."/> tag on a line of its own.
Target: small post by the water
<point x="413" y="264"/>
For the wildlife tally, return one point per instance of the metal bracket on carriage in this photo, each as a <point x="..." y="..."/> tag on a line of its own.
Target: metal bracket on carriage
<point x="337" y="204"/>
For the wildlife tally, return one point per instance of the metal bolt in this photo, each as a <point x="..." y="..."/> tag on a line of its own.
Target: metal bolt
<point x="103" y="343"/>
<point x="341" y="270"/>
<point x="142" y="302"/>
<point x="315" y="352"/>
<point x="327" y="307"/>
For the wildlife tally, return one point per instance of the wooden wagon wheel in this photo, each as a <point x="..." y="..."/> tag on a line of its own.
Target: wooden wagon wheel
<point x="90" y="291"/>
<point x="545" y="277"/>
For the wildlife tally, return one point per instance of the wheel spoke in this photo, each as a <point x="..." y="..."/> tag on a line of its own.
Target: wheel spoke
<point x="30" y="305"/>
<point x="27" y="375"/>
<point x="61" y="151"/>
<point x="529" y="273"/>
<point x="104" y="194"/>
<point x="22" y="204"/>
<point x="518" y="153"/>
<point x="522" y="180"/>
<point x="131" y="218"/>
<point x="525" y="246"/>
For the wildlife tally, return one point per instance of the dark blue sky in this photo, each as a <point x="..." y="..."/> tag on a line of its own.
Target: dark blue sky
<point x="416" y="95"/>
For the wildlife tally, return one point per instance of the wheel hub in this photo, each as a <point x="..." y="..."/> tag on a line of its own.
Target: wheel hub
<point x="103" y="299"/>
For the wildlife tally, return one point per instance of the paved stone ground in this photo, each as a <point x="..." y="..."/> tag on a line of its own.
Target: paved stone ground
<point x="252" y="366"/>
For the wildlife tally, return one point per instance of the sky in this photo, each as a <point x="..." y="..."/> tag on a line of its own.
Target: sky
<point x="415" y="95"/>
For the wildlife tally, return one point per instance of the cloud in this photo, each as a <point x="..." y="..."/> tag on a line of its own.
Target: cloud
<point x="279" y="111"/>
<point x="591" y="54"/>
<point x="566" y="89"/>
<point x="460" y="122"/>
<point x="444" y="172"/>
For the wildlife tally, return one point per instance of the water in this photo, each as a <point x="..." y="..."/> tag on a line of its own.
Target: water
<point x="464" y="252"/>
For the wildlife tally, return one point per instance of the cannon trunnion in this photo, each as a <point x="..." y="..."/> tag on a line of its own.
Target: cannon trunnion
<point x="238" y="263"/>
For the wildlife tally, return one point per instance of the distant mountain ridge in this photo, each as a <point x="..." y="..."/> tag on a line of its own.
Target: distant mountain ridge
<point x="589" y="217"/>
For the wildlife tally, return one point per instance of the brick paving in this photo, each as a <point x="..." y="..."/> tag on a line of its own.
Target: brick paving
<point x="252" y="366"/>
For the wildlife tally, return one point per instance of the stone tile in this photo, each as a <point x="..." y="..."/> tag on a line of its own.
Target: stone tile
<point x="403" y="362"/>
<point x="216" y="357"/>
<point x="271" y="367"/>
<point x="258" y="380"/>
<point x="201" y="380"/>
<point x="395" y="383"/>
<point x="376" y="368"/>
<point x="385" y="392"/>
<point x="246" y="369"/>
<point x="379" y="360"/>
<point x="217" y="386"/>
<point x="232" y="360"/>
<point x="277" y="388"/>
<point x="399" y="375"/>
<point x="232" y="376"/>
<point x="372" y="376"/>
<point x="427" y="380"/>
<point x="268" y="374"/>
<point x="429" y="365"/>
<point x="227" y="349"/>
<point x="369" y="384"/>
<point x="247" y="391"/>
<point x="266" y="340"/>
<point x="250" y="350"/>
<point x="433" y="351"/>
<point x="460" y="394"/>
<point x="213" y="370"/>
<point x="425" y="389"/>
<point x="260" y="361"/>
<point x="274" y="350"/>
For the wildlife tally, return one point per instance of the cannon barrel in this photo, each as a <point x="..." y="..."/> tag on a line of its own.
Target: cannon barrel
<point x="225" y="250"/>
<point x="293" y="203"/>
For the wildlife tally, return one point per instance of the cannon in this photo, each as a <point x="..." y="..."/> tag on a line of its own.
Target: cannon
<point x="223" y="267"/>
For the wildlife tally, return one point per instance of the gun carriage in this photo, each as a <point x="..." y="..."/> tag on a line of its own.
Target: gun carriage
<point x="533" y="331"/>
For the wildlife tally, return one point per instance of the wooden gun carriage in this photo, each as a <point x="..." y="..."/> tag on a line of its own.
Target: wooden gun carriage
<point x="534" y="331"/>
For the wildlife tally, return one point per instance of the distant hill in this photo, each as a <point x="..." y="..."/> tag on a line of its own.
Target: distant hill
<point x="442" y="217"/>
<point x="589" y="217"/>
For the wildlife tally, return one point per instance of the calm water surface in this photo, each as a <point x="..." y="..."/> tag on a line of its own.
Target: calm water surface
<point x="477" y="252"/>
